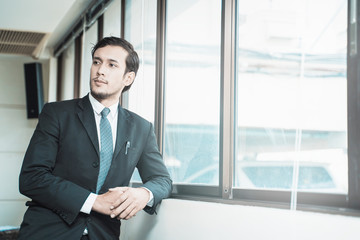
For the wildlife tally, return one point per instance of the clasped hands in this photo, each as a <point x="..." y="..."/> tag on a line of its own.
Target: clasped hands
<point x="121" y="202"/>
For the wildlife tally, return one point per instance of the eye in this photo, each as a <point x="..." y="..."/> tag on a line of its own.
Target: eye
<point x="112" y="65"/>
<point x="96" y="62"/>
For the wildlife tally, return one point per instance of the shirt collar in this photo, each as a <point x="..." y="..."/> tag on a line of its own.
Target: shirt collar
<point x="98" y="107"/>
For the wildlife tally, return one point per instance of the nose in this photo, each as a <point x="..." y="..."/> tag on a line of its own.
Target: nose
<point x="100" y="69"/>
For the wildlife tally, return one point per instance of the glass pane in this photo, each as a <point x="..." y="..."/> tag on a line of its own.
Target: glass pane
<point x="112" y="19"/>
<point x="292" y="95"/>
<point x="140" y="30"/>
<point x="90" y="39"/>
<point x="67" y="81"/>
<point x="192" y="91"/>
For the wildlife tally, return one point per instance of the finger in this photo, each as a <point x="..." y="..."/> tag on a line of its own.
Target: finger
<point x="117" y="203"/>
<point x="119" y="200"/>
<point x="132" y="213"/>
<point x="128" y="212"/>
<point x="121" y="208"/>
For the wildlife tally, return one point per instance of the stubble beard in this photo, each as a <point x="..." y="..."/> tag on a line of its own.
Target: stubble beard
<point x="100" y="96"/>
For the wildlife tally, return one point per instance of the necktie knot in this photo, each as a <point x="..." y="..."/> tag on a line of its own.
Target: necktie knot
<point x="105" y="112"/>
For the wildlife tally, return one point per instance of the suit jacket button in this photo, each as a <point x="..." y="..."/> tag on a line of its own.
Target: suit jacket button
<point x="95" y="164"/>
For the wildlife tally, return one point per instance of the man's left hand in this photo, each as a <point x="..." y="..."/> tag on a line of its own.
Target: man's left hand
<point x="131" y="201"/>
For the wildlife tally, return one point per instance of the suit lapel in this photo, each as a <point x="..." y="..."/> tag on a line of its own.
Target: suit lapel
<point x="123" y="130"/>
<point x="86" y="116"/>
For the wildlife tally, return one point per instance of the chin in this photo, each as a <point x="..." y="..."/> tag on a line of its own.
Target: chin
<point x="99" y="95"/>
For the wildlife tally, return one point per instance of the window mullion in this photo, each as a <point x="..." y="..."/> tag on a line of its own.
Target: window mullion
<point x="160" y="72"/>
<point x="353" y="105"/>
<point x="227" y="97"/>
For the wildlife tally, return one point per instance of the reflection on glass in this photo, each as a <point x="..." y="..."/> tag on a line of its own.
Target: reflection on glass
<point x="192" y="91"/>
<point x="291" y="95"/>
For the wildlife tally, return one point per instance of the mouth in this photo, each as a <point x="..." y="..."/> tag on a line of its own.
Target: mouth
<point x="100" y="81"/>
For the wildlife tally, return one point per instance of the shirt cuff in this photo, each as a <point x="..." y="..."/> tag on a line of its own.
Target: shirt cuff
<point x="150" y="203"/>
<point x="88" y="204"/>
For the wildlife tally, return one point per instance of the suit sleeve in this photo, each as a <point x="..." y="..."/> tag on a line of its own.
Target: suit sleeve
<point x="153" y="172"/>
<point x="37" y="180"/>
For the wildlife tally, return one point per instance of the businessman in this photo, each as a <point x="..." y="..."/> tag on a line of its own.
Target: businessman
<point x="80" y="159"/>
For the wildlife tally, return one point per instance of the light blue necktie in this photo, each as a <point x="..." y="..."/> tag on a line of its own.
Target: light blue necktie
<point x="106" y="151"/>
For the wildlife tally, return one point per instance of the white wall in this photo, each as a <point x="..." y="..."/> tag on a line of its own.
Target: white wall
<point x="181" y="219"/>
<point x="15" y="133"/>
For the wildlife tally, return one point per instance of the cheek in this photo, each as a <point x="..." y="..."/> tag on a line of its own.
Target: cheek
<point x="117" y="79"/>
<point x="92" y="72"/>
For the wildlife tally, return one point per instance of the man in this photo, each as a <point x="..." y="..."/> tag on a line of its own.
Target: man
<point x="82" y="155"/>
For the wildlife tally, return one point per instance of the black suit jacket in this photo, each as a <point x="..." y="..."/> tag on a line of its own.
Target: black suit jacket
<point x="61" y="167"/>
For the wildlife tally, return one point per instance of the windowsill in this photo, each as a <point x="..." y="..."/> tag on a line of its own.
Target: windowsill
<point x="300" y="207"/>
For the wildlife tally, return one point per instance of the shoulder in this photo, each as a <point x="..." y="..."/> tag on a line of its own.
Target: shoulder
<point x="62" y="106"/>
<point x="134" y="118"/>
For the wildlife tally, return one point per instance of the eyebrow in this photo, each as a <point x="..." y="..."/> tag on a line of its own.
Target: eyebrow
<point x="109" y="59"/>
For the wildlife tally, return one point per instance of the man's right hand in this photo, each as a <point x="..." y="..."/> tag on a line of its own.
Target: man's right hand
<point x="104" y="202"/>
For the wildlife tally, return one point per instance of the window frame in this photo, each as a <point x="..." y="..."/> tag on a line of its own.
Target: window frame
<point x="225" y="192"/>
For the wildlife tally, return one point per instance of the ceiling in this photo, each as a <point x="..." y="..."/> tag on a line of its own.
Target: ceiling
<point x="33" y="27"/>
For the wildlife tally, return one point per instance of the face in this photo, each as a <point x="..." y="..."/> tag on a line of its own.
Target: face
<point x="107" y="78"/>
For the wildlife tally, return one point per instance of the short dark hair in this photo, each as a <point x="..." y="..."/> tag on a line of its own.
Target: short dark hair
<point x="132" y="60"/>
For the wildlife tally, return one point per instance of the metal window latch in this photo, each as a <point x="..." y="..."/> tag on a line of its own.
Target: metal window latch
<point x="353" y="28"/>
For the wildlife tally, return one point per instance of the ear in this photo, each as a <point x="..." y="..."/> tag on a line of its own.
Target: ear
<point x="129" y="78"/>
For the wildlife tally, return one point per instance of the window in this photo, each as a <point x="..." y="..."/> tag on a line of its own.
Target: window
<point x="140" y="30"/>
<point x="292" y="96"/>
<point x="112" y="23"/>
<point x="281" y="130"/>
<point x="90" y="39"/>
<point x="67" y="87"/>
<point x="291" y="105"/>
<point x="192" y="91"/>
